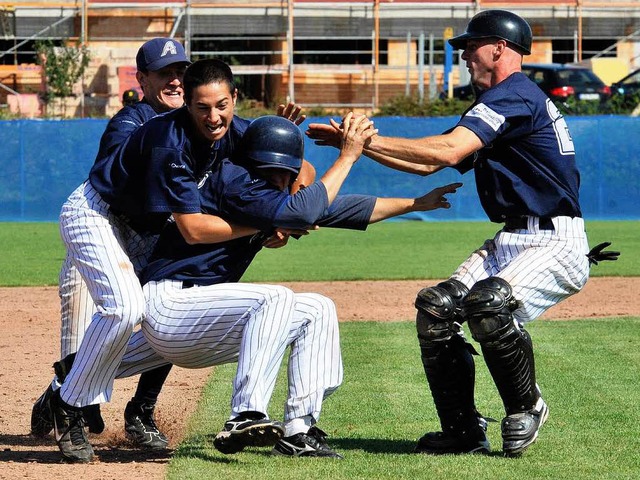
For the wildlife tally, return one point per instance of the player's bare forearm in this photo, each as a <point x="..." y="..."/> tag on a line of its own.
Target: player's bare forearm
<point x="438" y="150"/>
<point x="413" y="155"/>
<point x="392" y="207"/>
<point x="402" y="165"/>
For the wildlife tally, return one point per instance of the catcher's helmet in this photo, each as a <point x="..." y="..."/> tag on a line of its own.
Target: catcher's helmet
<point x="499" y="24"/>
<point x="273" y="142"/>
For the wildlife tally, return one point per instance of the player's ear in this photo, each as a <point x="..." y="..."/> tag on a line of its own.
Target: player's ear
<point x="235" y="96"/>
<point x="501" y="46"/>
<point x="141" y="78"/>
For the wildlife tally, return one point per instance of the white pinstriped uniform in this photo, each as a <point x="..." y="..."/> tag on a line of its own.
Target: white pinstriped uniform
<point x="543" y="267"/>
<point x="76" y="304"/>
<point x="76" y="308"/>
<point x="246" y="323"/>
<point x="100" y="245"/>
<point x="253" y="325"/>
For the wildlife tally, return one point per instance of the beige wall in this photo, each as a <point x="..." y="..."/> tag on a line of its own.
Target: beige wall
<point x="397" y="52"/>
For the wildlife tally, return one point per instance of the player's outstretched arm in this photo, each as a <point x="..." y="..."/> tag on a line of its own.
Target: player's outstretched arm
<point x="433" y="152"/>
<point x="330" y="134"/>
<point x="392" y="207"/>
<point x="402" y="165"/>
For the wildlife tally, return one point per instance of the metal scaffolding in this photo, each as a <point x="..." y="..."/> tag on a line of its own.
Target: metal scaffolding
<point x="288" y="36"/>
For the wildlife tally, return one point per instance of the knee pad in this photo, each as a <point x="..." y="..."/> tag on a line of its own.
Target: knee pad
<point x="439" y="307"/>
<point x="488" y="308"/>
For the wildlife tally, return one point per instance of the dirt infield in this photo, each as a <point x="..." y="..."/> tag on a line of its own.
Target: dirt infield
<point x="30" y="338"/>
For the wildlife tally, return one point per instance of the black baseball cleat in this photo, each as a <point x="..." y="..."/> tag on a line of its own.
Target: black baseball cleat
<point x="41" y="415"/>
<point x="249" y="429"/>
<point x="68" y="426"/>
<point x="140" y="427"/>
<point x="520" y="430"/>
<point x="310" y="444"/>
<point x="440" y="443"/>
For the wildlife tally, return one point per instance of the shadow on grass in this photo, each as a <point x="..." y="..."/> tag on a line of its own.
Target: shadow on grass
<point x="372" y="445"/>
<point x="382" y="446"/>
<point x="201" y="448"/>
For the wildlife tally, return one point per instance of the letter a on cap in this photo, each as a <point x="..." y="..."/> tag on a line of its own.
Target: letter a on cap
<point x="169" y="47"/>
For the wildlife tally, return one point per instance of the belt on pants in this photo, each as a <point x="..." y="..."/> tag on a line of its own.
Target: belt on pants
<point x="521" y="223"/>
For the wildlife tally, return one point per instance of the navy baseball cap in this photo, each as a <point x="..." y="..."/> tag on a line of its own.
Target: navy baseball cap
<point x="158" y="53"/>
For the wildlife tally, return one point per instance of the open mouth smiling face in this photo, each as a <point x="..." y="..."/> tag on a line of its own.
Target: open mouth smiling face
<point x="211" y="109"/>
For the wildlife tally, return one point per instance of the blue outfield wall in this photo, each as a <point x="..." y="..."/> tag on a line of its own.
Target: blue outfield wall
<point x="43" y="161"/>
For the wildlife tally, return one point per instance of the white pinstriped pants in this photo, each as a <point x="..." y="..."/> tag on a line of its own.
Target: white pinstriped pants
<point x="542" y="266"/>
<point x="249" y="324"/>
<point x="76" y="305"/>
<point x="97" y="244"/>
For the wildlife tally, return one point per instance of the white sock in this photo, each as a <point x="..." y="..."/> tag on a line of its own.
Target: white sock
<point x="298" y="425"/>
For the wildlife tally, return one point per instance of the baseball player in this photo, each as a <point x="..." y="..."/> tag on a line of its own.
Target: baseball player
<point x="196" y="317"/>
<point x="160" y="65"/>
<point x="521" y="151"/>
<point x="107" y="246"/>
<point x="130" y="97"/>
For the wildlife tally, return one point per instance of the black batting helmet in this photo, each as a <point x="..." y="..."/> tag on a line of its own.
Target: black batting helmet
<point x="129" y="97"/>
<point x="497" y="24"/>
<point x="273" y="142"/>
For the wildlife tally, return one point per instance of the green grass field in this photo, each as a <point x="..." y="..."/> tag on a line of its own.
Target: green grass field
<point x="588" y="369"/>
<point x="33" y="252"/>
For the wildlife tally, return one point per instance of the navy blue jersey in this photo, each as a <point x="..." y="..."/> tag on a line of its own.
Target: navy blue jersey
<point x="527" y="165"/>
<point x="158" y="169"/>
<point x="119" y="128"/>
<point x="240" y="195"/>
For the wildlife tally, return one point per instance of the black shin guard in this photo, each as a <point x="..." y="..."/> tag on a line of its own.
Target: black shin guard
<point x="507" y="349"/>
<point x="447" y="357"/>
<point x="450" y="372"/>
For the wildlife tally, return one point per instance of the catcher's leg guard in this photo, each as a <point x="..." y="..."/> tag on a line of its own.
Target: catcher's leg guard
<point x="449" y="367"/>
<point x="506" y="347"/>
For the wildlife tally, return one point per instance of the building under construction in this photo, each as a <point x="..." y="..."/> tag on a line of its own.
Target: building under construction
<point x="356" y="53"/>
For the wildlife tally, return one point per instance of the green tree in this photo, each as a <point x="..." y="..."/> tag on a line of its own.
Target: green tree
<point x="63" y="66"/>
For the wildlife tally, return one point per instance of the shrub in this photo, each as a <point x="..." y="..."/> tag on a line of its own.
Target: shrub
<point x="412" y="107"/>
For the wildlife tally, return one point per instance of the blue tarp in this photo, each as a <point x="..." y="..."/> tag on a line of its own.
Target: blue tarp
<point x="43" y="161"/>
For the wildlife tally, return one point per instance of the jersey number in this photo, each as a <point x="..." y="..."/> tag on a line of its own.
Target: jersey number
<point x="565" y="143"/>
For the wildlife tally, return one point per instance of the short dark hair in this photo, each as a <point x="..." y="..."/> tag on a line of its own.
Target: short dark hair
<point x="204" y="72"/>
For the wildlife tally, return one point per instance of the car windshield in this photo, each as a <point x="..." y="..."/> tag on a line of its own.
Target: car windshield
<point x="576" y="77"/>
<point x="632" y="80"/>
